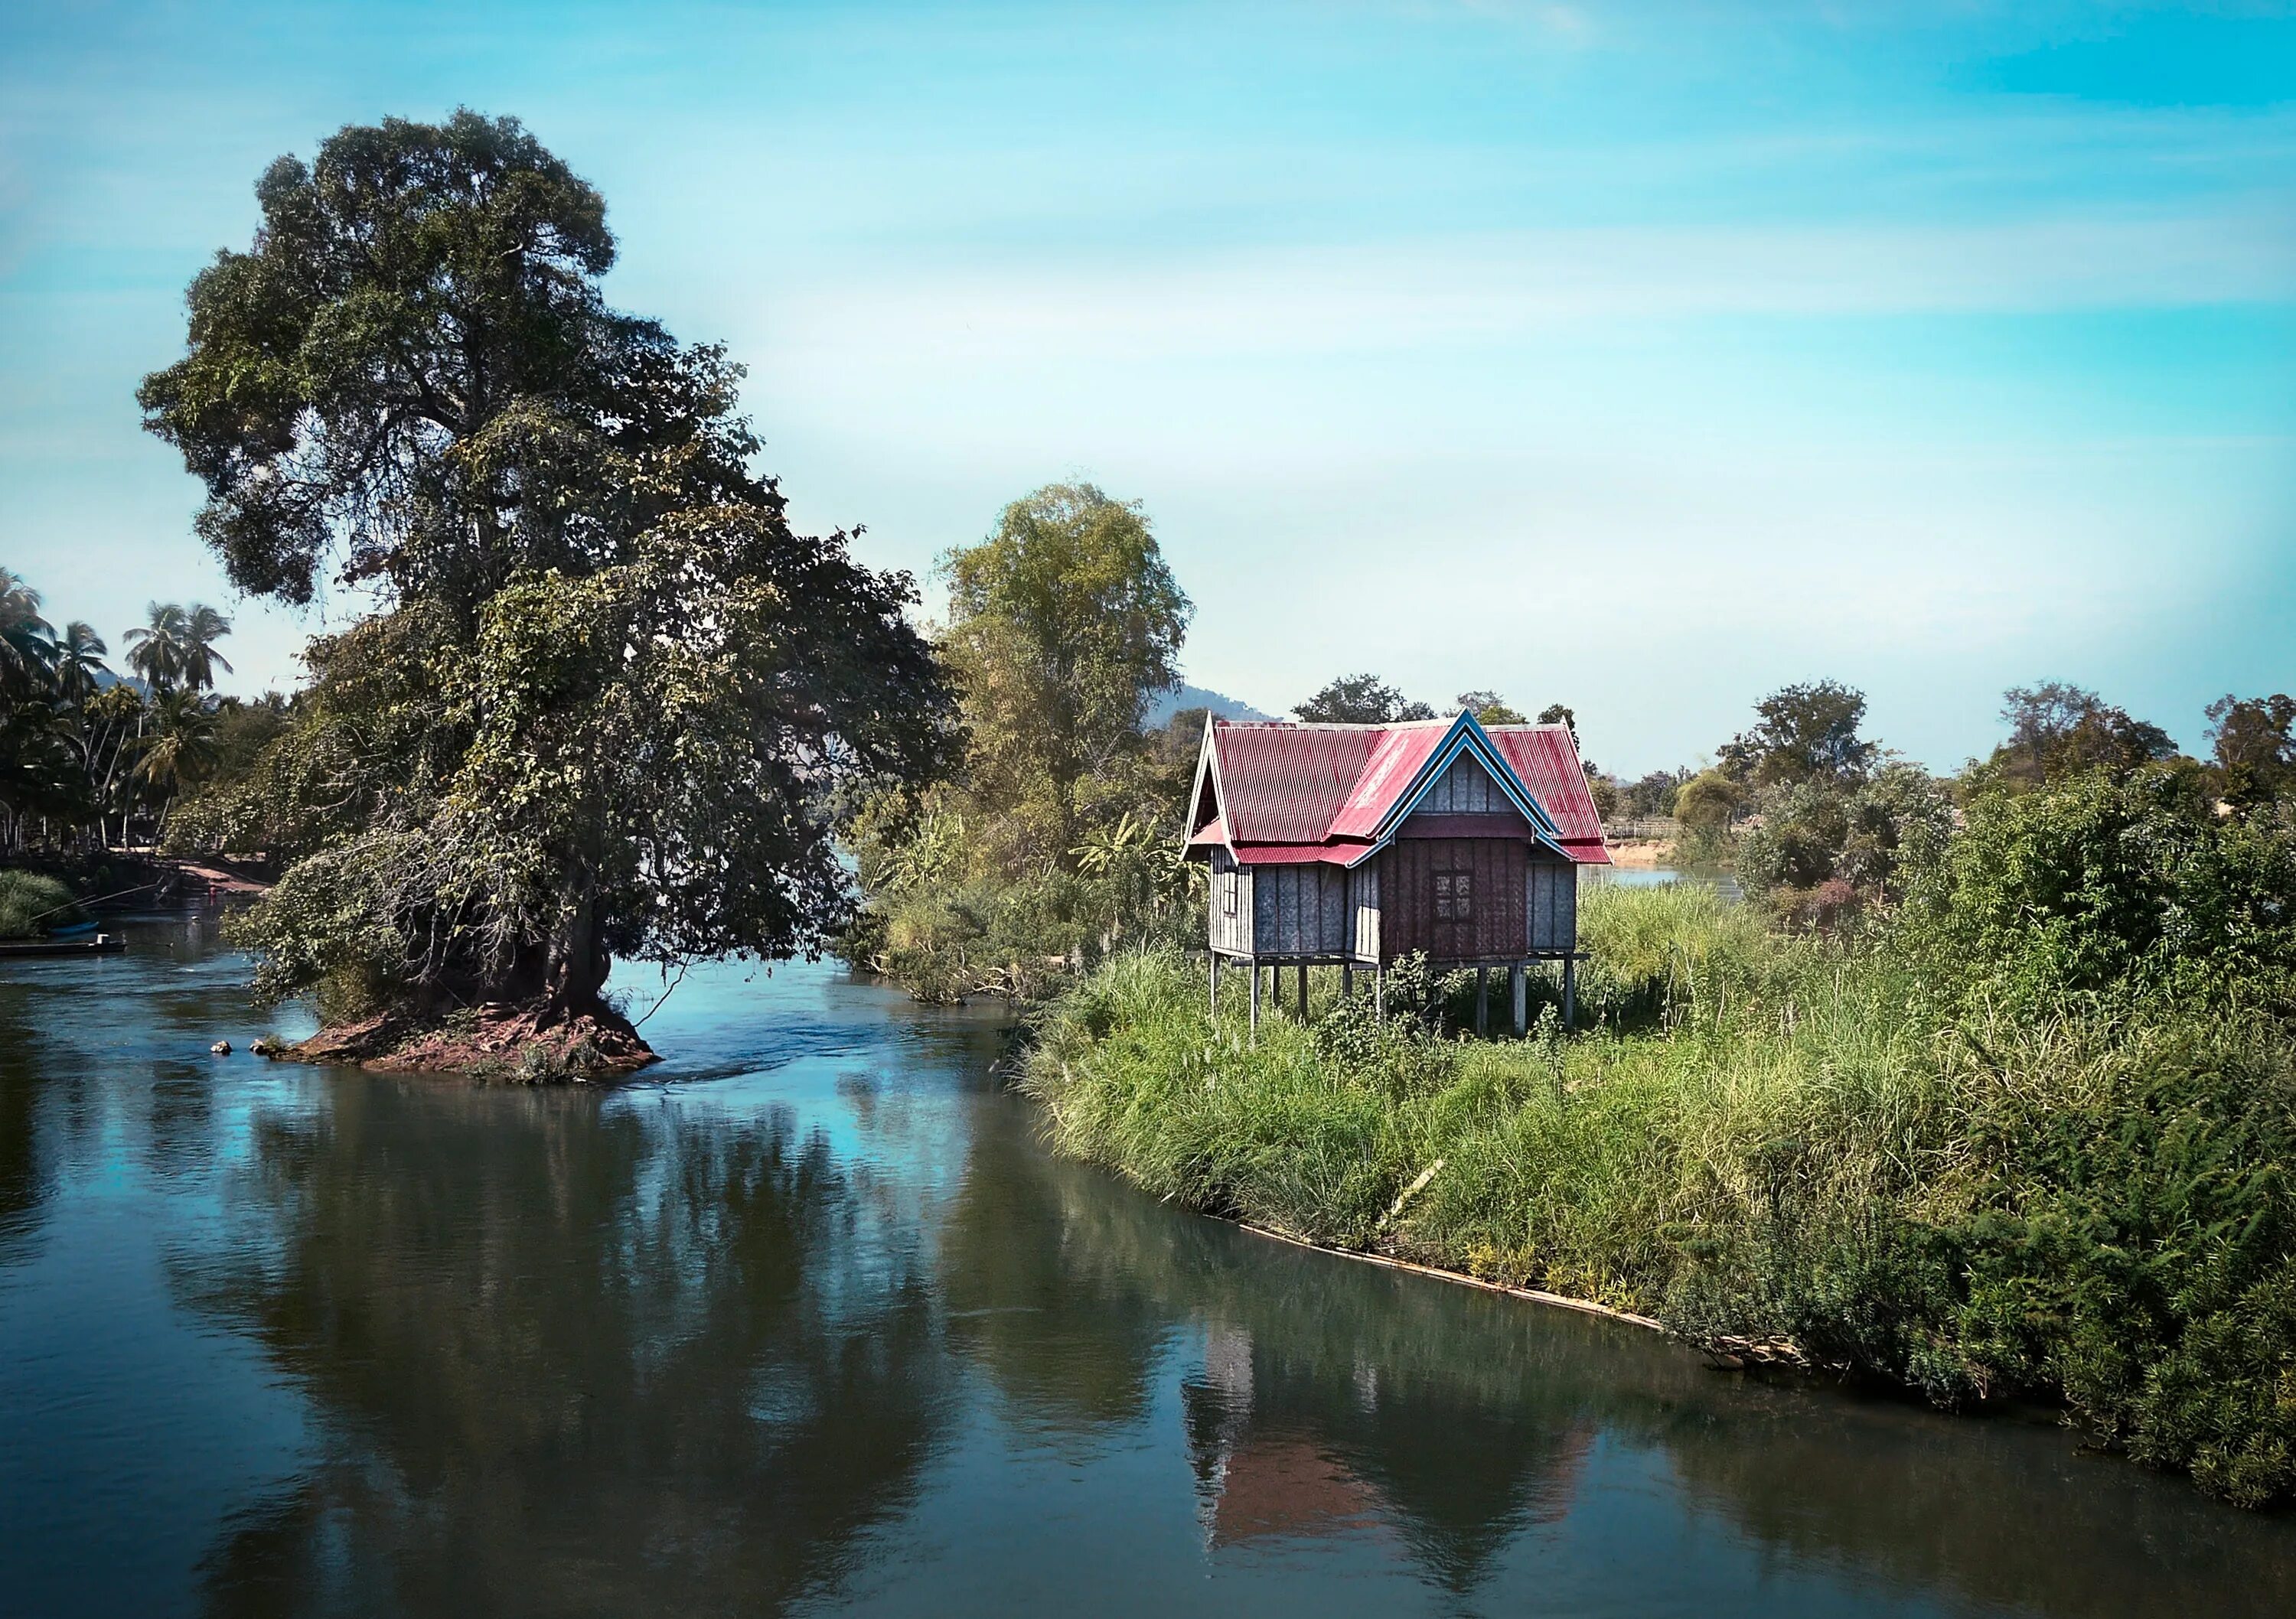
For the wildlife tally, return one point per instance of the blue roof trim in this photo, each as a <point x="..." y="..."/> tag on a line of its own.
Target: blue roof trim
<point x="1467" y="735"/>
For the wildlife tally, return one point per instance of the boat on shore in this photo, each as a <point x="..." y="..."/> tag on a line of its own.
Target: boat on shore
<point x="101" y="945"/>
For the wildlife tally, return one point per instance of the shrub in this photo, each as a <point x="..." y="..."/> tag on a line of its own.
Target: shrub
<point x="31" y="905"/>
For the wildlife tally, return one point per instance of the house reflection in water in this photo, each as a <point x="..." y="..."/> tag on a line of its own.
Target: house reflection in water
<point x="1285" y="1453"/>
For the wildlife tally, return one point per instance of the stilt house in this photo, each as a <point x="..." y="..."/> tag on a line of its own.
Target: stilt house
<point x="1349" y="845"/>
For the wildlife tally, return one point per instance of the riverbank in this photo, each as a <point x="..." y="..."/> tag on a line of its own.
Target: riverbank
<point x="1780" y="1148"/>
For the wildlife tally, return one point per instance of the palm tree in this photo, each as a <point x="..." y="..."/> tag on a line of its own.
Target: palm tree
<point x="27" y="640"/>
<point x="155" y="648"/>
<point x="176" y="645"/>
<point x="181" y="749"/>
<point x="78" y="660"/>
<point x="203" y="627"/>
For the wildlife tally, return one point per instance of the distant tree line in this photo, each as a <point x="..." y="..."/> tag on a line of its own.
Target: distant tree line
<point x="89" y="759"/>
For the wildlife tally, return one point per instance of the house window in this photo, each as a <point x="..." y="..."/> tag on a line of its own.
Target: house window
<point x="1227" y="893"/>
<point x="1455" y="896"/>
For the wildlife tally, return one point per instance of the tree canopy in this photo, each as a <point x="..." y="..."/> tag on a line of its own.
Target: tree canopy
<point x="1802" y="734"/>
<point x="607" y="696"/>
<point x="1360" y="699"/>
<point x="2058" y="731"/>
<point x="1490" y="709"/>
<point x="2255" y="743"/>
<point x="1065" y="624"/>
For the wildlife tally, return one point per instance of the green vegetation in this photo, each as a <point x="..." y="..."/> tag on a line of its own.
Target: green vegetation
<point x="608" y="700"/>
<point x="2023" y="1134"/>
<point x="32" y="904"/>
<point x="1057" y="838"/>
<point x="86" y="760"/>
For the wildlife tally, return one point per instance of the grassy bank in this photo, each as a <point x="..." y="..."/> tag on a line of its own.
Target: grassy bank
<point x="1842" y="1152"/>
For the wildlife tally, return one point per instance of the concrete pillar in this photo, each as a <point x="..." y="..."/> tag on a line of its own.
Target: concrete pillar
<point x="1518" y="980"/>
<point x="1482" y="1000"/>
<point x="1378" y="990"/>
<point x="1215" y="986"/>
<point x="1570" y="990"/>
<point x="1347" y="981"/>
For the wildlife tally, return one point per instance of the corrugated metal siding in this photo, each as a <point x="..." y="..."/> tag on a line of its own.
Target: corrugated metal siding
<point x="1301" y="911"/>
<point x="1407" y="893"/>
<point x="1551" y="904"/>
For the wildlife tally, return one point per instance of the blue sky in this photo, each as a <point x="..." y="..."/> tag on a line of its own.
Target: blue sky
<point x="1639" y="356"/>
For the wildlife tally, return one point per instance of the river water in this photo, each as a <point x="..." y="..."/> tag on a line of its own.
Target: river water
<point x="806" y="1319"/>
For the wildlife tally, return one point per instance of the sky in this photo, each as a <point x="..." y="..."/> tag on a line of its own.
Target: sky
<point x="1642" y="357"/>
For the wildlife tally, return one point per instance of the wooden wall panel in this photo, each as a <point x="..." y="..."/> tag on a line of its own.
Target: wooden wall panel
<point x="1497" y="928"/>
<point x="1363" y="894"/>
<point x="1301" y="911"/>
<point x="1464" y="789"/>
<point x="1233" y="934"/>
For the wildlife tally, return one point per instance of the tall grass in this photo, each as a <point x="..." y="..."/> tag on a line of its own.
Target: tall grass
<point x="1774" y="1145"/>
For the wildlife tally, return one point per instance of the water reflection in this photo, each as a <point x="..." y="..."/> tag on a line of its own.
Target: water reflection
<point x="578" y="1357"/>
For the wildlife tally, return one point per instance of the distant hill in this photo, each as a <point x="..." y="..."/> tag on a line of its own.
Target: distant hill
<point x="1222" y="706"/>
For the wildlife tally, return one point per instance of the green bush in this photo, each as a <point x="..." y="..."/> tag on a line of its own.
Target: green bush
<point x="31" y="905"/>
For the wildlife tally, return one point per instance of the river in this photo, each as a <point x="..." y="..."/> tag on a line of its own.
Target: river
<point x="806" y="1319"/>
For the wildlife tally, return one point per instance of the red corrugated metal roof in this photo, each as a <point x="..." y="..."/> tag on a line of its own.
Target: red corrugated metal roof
<point x="1294" y="793"/>
<point x="1283" y="783"/>
<point x="1402" y="752"/>
<point x="1546" y="761"/>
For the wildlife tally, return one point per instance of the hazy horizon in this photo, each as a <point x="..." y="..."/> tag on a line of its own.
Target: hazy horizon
<point x="1642" y="358"/>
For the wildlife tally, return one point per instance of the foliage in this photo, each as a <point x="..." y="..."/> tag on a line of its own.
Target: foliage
<point x="1064" y="623"/>
<point x="608" y="698"/>
<point x="1786" y="1144"/>
<point x="1360" y="699"/>
<point x="2058" y="731"/>
<point x="1058" y="838"/>
<point x="2108" y="894"/>
<point x="1802" y="734"/>
<point x="1708" y="801"/>
<point x="1821" y="852"/>
<point x="75" y="752"/>
<point x="2255" y="743"/>
<point x="174" y="649"/>
<point x="1490" y="709"/>
<point x="32" y="904"/>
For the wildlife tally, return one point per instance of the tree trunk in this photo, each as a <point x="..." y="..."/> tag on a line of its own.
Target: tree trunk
<point x="576" y="967"/>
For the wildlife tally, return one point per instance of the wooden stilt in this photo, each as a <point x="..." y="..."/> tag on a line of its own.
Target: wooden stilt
<point x="1570" y="990"/>
<point x="1482" y="1000"/>
<point x="1518" y="980"/>
<point x="1378" y="990"/>
<point x="1347" y="981"/>
<point x="1215" y="986"/>
<point x="1255" y="997"/>
<point x="1303" y="991"/>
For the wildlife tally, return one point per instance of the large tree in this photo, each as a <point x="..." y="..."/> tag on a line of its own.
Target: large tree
<point x="606" y="693"/>
<point x="2255" y="742"/>
<point x="2057" y="729"/>
<point x="1063" y="624"/>
<point x="1804" y="733"/>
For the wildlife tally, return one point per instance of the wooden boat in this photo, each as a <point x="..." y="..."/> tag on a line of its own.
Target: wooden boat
<point x="101" y="944"/>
